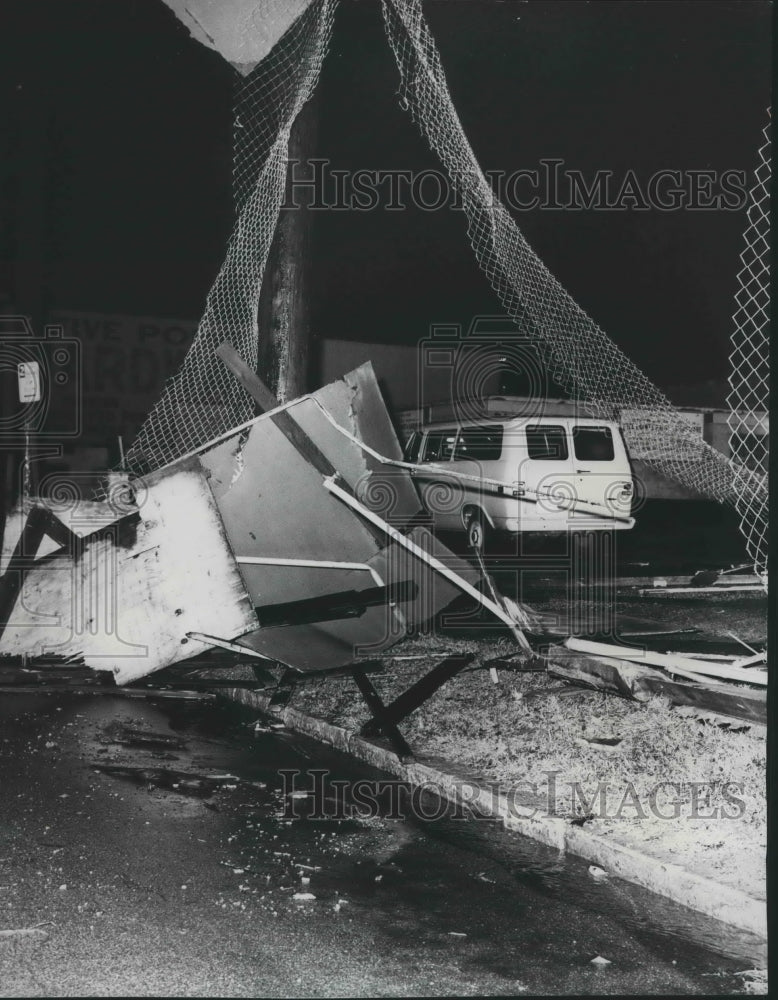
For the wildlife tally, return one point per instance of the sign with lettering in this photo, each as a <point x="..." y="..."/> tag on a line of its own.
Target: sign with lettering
<point x="29" y="381"/>
<point x="125" y="361"/>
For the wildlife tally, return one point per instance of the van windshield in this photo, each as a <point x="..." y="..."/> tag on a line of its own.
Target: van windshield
<point x="412" y="447"/>
<point x="593" y="444"/>
<point x="546" y="441"/>
<point x="480" y="444"/>
<point x="439" y="445"/>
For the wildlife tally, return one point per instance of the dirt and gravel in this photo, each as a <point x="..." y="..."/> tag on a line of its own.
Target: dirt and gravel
<point x="663" y="779"/>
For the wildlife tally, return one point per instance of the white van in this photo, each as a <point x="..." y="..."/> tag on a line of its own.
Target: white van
<point x="523" y="474"/>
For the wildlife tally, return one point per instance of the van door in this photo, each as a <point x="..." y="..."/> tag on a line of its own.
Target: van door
<point x="548" y="475"/>
<point x="479" y="453"/>
<point x="438" y="491"/>
<point x="602" y="471"/>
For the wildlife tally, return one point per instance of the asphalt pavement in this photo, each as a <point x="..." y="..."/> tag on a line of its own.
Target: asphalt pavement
<point x="164" y="847"/>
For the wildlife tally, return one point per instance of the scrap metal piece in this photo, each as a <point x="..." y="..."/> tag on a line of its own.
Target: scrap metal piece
<point x="440" y="567"/>
<point x="383" y="718"/>
<point x="424" y="688"/>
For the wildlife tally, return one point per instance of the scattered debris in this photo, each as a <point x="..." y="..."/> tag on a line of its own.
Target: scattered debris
<point x="640" y="682"/>
<point x="600" y="961"/>
<point x="605" y="743"/>
<point x="688" y="592"/>
<point x="723" y="721"/>
<point x="303" y="896"/>
<point x="741" y="642"/>
<point x="181" y="782"/>
<point x="598" y="874"/>
<point x="754" y="981"/>
<point x="708" y="577"/>
<point x="681" y="665"/>
<point x="134" y="737"/>
<point x="520" y="662"/>
<point x="27" y="932"/>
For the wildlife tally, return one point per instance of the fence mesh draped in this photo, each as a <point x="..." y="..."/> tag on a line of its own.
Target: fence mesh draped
<point x="750" y="368"/>
<point x="582" y="358"/>
<point x="203" y="400"/>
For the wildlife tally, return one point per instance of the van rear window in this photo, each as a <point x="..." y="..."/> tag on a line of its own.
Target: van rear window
<point x="546" y="441"/>
<point x="593" y="444"/>
<point x="439" y="445"/>
<point x="481" y="444"/>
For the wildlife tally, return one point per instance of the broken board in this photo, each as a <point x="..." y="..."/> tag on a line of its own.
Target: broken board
<point x="125" y="601"/>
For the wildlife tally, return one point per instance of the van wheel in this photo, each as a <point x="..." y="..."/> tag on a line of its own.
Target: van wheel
<point x="476" y="532"/>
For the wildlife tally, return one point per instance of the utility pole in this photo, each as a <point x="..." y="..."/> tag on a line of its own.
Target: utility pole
<point x="282" y="315"/>
<point x="284" y="303"/>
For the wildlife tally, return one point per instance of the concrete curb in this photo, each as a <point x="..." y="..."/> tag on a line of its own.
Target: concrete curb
<point x="732" y="906"/>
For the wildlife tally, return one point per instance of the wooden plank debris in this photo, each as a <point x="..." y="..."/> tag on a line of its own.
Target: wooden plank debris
<point x="691" y="592"/>
<point x="673" y="663"/>
<point x="640" y="683"/>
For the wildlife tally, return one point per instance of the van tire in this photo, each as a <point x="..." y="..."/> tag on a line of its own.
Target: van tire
<point x="475" y="526"/>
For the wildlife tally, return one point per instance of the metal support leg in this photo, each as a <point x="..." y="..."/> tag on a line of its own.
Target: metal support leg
<point x="285" y="689"/>
<point x="383" y="721"/>
<point x="418" y="693"/>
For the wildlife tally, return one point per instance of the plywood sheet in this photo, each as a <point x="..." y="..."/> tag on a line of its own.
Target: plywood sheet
<point x="127" y="608"/>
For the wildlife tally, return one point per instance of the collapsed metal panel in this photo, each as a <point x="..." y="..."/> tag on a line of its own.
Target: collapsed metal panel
<point x="331" y="644"/>
<point x="242" y="541"/>
<point x="275" y="508"/>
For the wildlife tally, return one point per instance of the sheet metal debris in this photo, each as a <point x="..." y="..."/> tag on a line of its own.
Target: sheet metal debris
<point x="284" y="538"/>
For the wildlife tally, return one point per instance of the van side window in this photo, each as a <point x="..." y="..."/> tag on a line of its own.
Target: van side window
<point x="439" y="445"/>
<point x="412" y="447"/>
<point x="546" y="441"/>
<point x="593" y="444"/>
<point x="482" y="444"/>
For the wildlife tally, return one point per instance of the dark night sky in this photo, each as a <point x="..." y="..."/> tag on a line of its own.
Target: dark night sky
<point x="133" y="131"/>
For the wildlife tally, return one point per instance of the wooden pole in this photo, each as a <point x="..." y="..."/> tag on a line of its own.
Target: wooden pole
<point x="284" y="304"/>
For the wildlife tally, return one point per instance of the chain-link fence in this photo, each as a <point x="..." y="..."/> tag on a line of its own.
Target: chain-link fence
<point x="203" y="400"/>
<point x="750" y="368"/>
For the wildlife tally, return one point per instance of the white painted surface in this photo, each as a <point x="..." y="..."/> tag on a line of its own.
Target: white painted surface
<point x="81" y="516"/>
<point x="127" y="608"/>
<point x="242" y="31"/>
